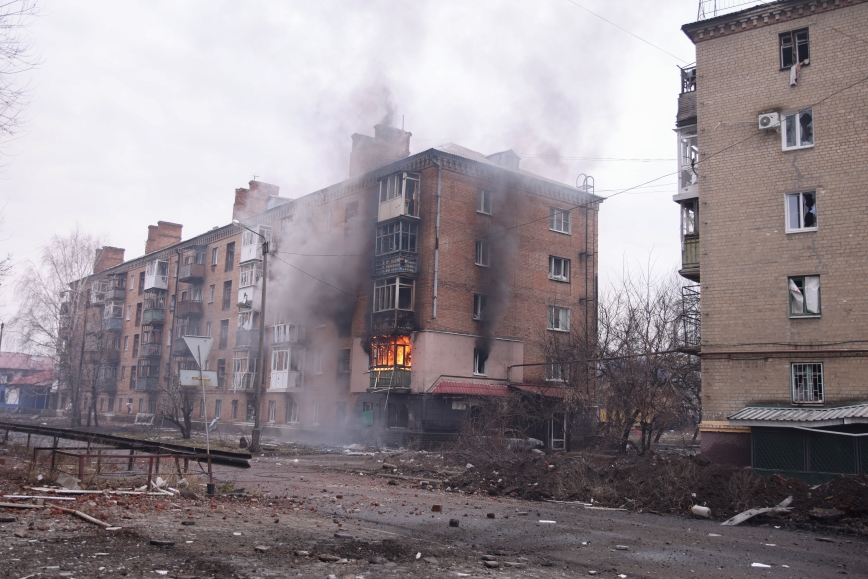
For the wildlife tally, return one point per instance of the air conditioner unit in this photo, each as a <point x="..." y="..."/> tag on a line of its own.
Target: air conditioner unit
<point x="769" y="121"/>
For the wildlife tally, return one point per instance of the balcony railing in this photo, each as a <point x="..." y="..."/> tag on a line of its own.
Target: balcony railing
<point x="288" y="334"/>
<point x="191" y="272"/>
<point x="113" y="324"/>
<point x="401" y="262"/>
<point x="188" y="308"/>
<point x="154" y="317"/>
<point x="151" y="351"/>
<point x="116" y="294"/>
<point x="147" y="384"/>
<point x="392" y="321"/>
<point x="691" y="318"/>
<point x="243" y="380"/>
<point x="247" y="339"/>
<point x="390" y="378"/>
<point x="284" y="380"/>
<point x="690" y="252"/>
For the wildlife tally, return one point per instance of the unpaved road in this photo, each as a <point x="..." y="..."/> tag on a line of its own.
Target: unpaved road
<point x="302" y="503"/>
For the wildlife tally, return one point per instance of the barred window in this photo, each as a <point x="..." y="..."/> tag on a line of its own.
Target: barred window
<point x="807" y="382"/>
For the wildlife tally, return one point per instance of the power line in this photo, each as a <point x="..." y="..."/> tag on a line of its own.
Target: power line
<point x="320" y="254"/>
<point x="625" y="30"/>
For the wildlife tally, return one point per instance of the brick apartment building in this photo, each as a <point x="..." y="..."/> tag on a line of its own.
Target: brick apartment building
<point x="771" y="125"/>
<point x="393" y="298"/>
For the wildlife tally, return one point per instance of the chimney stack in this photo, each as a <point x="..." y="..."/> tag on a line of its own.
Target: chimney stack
<point x="253" y="200"/>
<point x="389" y="144"/>
<point x="162" y="235"/>
<point x="107" y="257"/>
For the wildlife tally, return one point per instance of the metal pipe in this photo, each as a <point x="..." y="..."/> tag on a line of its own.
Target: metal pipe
<point x="784" y="352"/>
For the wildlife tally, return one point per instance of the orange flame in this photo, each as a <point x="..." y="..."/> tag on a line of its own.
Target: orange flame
<point x="391" y="351"/>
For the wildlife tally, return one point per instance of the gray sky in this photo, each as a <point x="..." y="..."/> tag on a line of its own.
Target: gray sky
<point x="149" y="110"/>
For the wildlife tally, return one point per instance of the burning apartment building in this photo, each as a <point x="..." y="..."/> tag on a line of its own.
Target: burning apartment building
<point x="395" y="298"/>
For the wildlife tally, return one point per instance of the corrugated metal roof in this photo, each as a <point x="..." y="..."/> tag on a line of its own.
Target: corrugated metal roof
<point x="470" y="389"/>
<point x="550" y="391"/>
<point x="756" y="416"/>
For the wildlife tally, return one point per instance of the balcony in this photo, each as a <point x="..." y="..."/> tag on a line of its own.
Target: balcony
<point x="153" y="351"/>
<point x="179" y="348"/>
<point x="285" y="381"/>
<point x="147" y="384"/>
<point x="113" y="324"/>
<point x="250" y="297"/>
<point x="690" y="257"/>
<point x="247" y="339"/>
<point x="116" y="294"/>
<point x="390" y="378"/>
<point x="189" y="308"/>
<point x="243" y="381"/>
<point x="401" y="262"/>
<point x="157" y="275"/>
<point x="288" y="334"/>
<point x="107" y="384"/>
<point x="691" y="318"/>
<point x="153" y="317"/>
<point x="191" y="273"/>
<point x="400" y="321"/>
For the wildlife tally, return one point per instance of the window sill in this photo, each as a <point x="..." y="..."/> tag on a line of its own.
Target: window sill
<point x="480" y="375"/>
<point x="560" y="279"/>
<point x="483" y="213"/>
<point x="785" y="149"/>
<point x="805" y="316"/>
<point x="561" y="232"/>
<point x="557" y="330"/>
<point x="480" y="265"/>
<point x="802" y="230"/>
<point x="801" y="404"/>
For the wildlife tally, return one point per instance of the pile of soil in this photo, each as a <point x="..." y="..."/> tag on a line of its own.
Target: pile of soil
<point x="671" y="485"/>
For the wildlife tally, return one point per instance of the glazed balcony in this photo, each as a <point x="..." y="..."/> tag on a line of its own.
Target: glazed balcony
<point x="191" y="273"/>
<point x="154" y="317"/>
<point x="243" y="381"/>
<point x="393" y="321"/>
<point x="113" y="324"/>
<point x="400" y="262"/>
<point x="247" y="339"/>
<point x="690" y="257"/>
<point x="189" y="308"/>
<point x="147" y="384"/>
<point x="116" y="294"/>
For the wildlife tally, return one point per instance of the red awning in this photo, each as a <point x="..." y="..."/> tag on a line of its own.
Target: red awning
<point x="470" y="389"/>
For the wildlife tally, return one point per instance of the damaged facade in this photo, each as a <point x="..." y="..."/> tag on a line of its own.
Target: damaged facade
<point x="770" y="127"/>
<point x="25" y="383"/>
<point x="418" y="270"/>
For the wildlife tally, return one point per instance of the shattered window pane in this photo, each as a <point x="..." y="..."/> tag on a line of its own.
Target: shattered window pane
<point x="791" y="131"/>
<point x="798" y="129"/>
<point x="794" y="47"/>
<point x="806" y="126"/>
<point x="804" y="294"/>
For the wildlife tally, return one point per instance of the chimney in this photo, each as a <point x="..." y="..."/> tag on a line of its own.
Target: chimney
<point x="162" y="235"/>
<point x="253" y="200"/>
<point x="107" y="257"/>
<point x="389" y="144"/>
<point x="505" y="158"/>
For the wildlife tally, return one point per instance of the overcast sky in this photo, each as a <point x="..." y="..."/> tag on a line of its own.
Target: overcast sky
<point x="150" y="110"/>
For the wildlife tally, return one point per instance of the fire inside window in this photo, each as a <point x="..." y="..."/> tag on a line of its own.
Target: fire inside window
<point x="391" y="352"/>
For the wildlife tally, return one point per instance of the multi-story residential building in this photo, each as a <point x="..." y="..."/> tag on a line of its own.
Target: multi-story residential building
<point x="771" y="124"/>
<point x="392" y="297"/>
<point x="25" y="383"/>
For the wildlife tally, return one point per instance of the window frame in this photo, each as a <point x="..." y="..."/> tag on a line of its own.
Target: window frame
<point x="810" y="388"/>
<point x="550" y="322"/>
<point x="556" y="371"/>
<point x="230" y="257"/>
<point x="215" y="256"/>
<point x="790" y="299"/>
<point x="483" y="201"/>
<point x="565" y="221"/>
<point x="480" y="367"/>
<point x="483" y="253"/>
<point x="565" y="269"/>
<point x="794" y="46"/>
<point x="788" y="227"/>
<point x="797" y="114"/>
<point x="479" y="305"/>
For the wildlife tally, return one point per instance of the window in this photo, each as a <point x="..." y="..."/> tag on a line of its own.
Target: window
<point x="559" y="268"/>
<point x="397" y="236"/>
<point x="807" y="381"/>
<point x="133" y="372"/>
<point x="221" y="370"/>
<point x="801" y="211"/>
<point x="559" y="220"/>
<point x="344" y="361"/>
<point x="291" y="412"/>
<point x="480" y="361"/>
<point x="483" y="201"/>
<point x="126" y="343"/>
<point x="141" y="405"/>
<point x="272" y="410"/>
<point x="483" y="253"/>
<point x="794" y="47"/>
<point x="138" y="314"/>
<point x="393" y="293"/>
<point x="211" y="290"/>
<point x="557" y="371"/>
<point x="136" y="346"/>
<point x="689" y="157"/>
<point x="315" y="413"/>
<point x="215" y="253"/>
<point x="230" y="256"/>
<point x="250" y="274"/>
<point x="479" y="306"/>
<point x="559" y="319"/>
<point x="123" y="372"/>
<point x="218" y="408"/>
<point x="227" y="294"/>
<point x="233" y="410"/>
<point x="798" y="130"/>
<point x="224" y="333"/>
<point x="317" y="362"/>
<point x="208" y="329"/>
<point x="351" y="210"/>
<point x="132" y="282"/>
<point x="129" y="312"/>
<point x="111" y="405"/>
<point x="141" y="282"/>
<point x="804" y="295"/>
<point x="102" y="405"/>
<point x="279" y="360"/>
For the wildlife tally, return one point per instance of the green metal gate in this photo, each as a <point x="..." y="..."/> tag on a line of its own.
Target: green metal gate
<point x="804" y="450"/>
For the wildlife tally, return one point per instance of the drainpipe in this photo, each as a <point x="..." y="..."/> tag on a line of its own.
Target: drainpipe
<point x="437" y="237"/>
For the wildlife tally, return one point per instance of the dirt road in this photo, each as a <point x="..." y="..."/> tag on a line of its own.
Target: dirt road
<point x="322" y="515"/>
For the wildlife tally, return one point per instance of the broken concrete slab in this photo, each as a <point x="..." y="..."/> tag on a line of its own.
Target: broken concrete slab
<point x="68" y="482"/>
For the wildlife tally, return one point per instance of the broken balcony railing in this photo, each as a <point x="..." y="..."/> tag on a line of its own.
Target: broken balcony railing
<point x="688" y="79"/>
<point x="392" y="320"/>
<point x="690" y="316"/>
<point x="402" y="262"/>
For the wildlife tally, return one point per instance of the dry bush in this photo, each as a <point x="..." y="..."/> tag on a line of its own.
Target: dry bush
<point x="743" y="486"/>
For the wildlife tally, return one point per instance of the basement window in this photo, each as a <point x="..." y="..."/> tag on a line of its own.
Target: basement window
<point x="483" y="253"/>
<point x="479" y="306"/>
<point x="559" y="319"/>
<point x="801" y="211"/>
<point x="807" y="383"/>
<point x="798" y="130"/>
<point x="559" y="220"/>
<point x="559" y="268"/>
<point x="794" y="47"/>
<point x="804" y="291"/>
<point x="483" y="201"/>
<point x="480" y="362"/>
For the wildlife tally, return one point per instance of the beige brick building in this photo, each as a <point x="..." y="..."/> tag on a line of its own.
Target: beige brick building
<point x="772" y="126"/>
<point x="393" y="297"/>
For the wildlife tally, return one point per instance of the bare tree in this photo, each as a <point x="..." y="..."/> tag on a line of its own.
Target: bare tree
<point x="16" y="57"/>
<point x="54" y="307"/>
<point x="179" y="404"/>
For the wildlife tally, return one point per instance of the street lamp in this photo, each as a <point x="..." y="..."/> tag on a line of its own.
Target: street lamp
<point x="260" y="356"/>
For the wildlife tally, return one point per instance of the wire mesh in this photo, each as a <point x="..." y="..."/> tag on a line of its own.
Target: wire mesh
<point x="779" y="450"/>
<point x="832" y="453"/>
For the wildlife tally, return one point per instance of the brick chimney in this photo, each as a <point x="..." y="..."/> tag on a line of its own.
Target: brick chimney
<point x="107" y="257"/>
<point x="388" y="144"/>
<point x="162" y="235"/>
<point x="253" y="200"/>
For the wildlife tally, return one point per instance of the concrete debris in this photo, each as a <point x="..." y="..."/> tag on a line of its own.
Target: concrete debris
<point x="329" y="558"/>
<point x="302" y="553"/>
<point x="491" y="564"/>
<point x="188" y="494"/>
<point x="782" y="507"/>
<point x="490" y="515"/>
<point x="8" y="519"/>
<point x="261" y="548"/>
<point x="489" y="558"/>
<point x="453" y="522"/>
<point x="761" y="565"/>
<point x="436" y="508"/>
<point x="469" y="466"/>
<point x="21" y="534"/>
<point x="68" y="482"/>
<point x="389" y="466"/>
<point x="622" y="548"/>
<point x="431" y="560"/>
<point x="343" y="536"/>
<point x="377" y="560"/>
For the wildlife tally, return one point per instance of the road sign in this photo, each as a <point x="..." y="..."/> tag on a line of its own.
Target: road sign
<point x="199" y="346"/>
<point x="191" y="378"/>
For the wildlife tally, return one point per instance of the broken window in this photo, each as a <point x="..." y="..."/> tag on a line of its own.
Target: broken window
<point x="218" y="408"/>
<point x="351" y="210"/>
<point x="230" y="256"/>
<point x="483" y="253"/>
<point x="480" y="362"/>
<point x="291" y="412"/>
<point x="344" y="361"/>
<point x="801" y="211"/>
<point x="251" y="273"/>
<point x="559" y="319"/>
<point x="794" y="47"/>
<point x="403" y="186"/>
<point x="798" y="130"/>
<point x="479" y="306"/>
<point x="559" y="268"/>
<point x="397" y="236"/>
<point x="272" y="410"/>
<point x="393" y="293"/>
<point x="390" y="351"/>
<point x="804" y="295"/>
<point x="559" y="220"/>
<point x="315" y="413"/>
<point x="688" y="158"/>
<point x="807" y="382"/>
<point x="224" y="334"/>
<point x="280" y="360"/>
<point x="483" y="201"/>
<point x="688" y="218"/>
<point x="233" y="410"/>
<point x="557" y="371"/>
